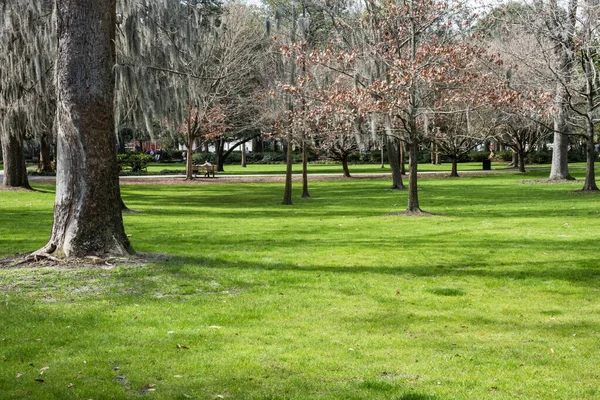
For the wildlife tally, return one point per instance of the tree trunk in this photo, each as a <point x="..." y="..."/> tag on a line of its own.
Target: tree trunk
<point x="305" y="194"/>
<point x="590" y="174"/>
<point x="243" y="155"/>
<point x="521" y="158"/>
<point x="87" y="210"/>
<point x="402" y="158"/>
<point x="413" y="195"/>
<point x="382" y="154"/>
<point x="454" y="171"/>
<point x="560" y="163"/>
<point x="287" y="193"/>
<point x="189" y="161"/>
<point x="219" y="150"/>
<point x="15" y="169"/>
<point x="515" y="159"/>
<point x="345" y="166"/>
<point x="45" y="164"/>
<point x="393" y="145"/>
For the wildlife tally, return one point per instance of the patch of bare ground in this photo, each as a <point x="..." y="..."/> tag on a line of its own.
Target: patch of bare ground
<point x="411" y="214"/>
<point x="548" y="181"/>
<point x="32" y="261"/>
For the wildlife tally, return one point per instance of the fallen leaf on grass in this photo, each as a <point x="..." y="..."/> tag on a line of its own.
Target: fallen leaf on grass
<point x="182" y="347"/>
<point x="19" y="374"/>
<point x="44" y="369"/>
<point x="148" y="388"/>
<point x="177" y="376"/>
<point x="214" y="327"/>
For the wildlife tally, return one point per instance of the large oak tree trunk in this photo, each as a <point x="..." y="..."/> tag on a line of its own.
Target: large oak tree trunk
<point x="15" y="169"/>
<point x="87" y="210"/>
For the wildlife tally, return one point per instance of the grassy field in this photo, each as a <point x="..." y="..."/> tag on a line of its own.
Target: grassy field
<point x="495" y="297"/>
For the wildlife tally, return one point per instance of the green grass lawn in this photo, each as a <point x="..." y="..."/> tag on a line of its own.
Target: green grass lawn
<point x="495" y="297"/>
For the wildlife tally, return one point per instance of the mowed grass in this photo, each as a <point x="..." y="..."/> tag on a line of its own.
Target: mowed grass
<point x="495" y="297"/>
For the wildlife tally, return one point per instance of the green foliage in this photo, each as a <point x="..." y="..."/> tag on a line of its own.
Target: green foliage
<point x="201" y="158"/>
<point x="134" y="162"/>
<point x="504" y="155"/>
<point x="540" y="157"/>
<point x="479" y="156"/>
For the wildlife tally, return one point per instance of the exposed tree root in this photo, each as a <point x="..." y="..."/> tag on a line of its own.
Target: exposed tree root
<point x="45" y="260"/>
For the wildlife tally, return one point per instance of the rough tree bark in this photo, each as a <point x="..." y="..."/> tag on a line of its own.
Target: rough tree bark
<point x="305" y="194"/>
<point x="413" y="195"/>
<point x="87" y="210"/>
<point x="454" y="171"/>
<point x="393" y="146"/>
<point x="15" y="169"/>
<point x="564" y="41"/>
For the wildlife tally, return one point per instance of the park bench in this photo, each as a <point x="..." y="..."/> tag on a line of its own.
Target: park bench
<point x="207" y="170"/>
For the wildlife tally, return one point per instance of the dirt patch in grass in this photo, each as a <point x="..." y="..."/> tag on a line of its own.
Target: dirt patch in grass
<point x="139" y="259"/>
<point x="548" y="181"/>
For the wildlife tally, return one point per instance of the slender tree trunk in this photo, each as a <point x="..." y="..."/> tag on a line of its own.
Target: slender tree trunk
<point x="243" y="155"/>
<point x="402" y="158"/>
<point x="45" y="164"/>
<point x="305" y="193"/>
<point x="287" y="193"/>
<point x="590" y="173"/>
<point x="393" y="145"/>
<point x="189" y="161"/>
<point x="15" y="169"/>
<point x="413" y="195"/>
<point x="345" y="166"/>
<point x="87" y="210"/>
<point x="454" y="171"/>
<point x="382" y="155"/>
<point x="219" y="150"/>
<point x="521" y="159"/>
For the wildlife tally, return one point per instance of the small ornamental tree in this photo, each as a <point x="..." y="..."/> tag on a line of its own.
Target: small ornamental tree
<point x="200" y="126"/>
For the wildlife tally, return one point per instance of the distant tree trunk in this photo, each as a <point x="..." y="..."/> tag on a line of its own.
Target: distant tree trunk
<point x="393" y="145"/>
<point x="382" y="155"/>
<point x="344" y="160"/>
<point x="305" y="193"/>
<point x="220" y="160"/>
<point x="87" y="210"/>
<point x="189" y="161"/>
<point x="287" y="193"/>
<point x="521" y="159"/>
<point x="45" y="147"/>
<point x="590" y="174"/>
<point x="243" y="156"/>
<point x="413" y="195"/>
<point x="454" y="171"/>
<point x="402" y="158"/>
<point x="15" y="169"/>
<point x="515" y="160"/>
<point x="560" y="163"/>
